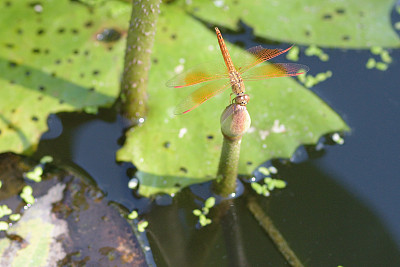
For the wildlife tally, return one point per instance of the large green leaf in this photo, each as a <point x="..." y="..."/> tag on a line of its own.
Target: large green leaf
<point x="340" y="23"/>
<point x="51" y="61"/>
<point x="174" y="151"/>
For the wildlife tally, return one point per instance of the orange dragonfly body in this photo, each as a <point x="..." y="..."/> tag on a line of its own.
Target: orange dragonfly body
<point x="220" y="77"/>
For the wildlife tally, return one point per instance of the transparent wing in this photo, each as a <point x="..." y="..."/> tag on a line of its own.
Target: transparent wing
<point x="209" y="71"/>
<point x="254" y="56"/>
<point x="273" y="70"/>
<point x="202" y="94"/>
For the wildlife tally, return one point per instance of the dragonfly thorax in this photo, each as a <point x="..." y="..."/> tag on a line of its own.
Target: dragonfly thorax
<point x="236" y="83"/>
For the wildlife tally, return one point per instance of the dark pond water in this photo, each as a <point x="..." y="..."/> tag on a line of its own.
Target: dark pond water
<point x="341" y="205"/>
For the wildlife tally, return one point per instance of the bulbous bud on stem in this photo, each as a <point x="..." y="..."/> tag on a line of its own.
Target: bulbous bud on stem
<point x="235" y="121"/>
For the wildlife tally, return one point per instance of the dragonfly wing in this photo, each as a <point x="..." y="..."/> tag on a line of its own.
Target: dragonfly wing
<point x="208" y="71"/>
<point x="202" y="94"/>
<point x="255" y="56"/>
<point x="273" y="70"/>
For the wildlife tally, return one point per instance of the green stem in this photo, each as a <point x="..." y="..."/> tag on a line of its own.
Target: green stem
<point x="139" y="46"/>
<point x="228" y="167"/>
<point x="279" y="241"/>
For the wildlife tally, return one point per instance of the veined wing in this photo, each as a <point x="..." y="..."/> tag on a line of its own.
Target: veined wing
<point x="200" y="95"/>
<point x="209" y="71"/>
<point x="273" y="70"/>
<point x="255" y="56"/>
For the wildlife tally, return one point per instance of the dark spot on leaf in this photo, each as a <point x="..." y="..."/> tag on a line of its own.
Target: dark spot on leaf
<point x="12" y="82"/>
<point x="0" y="131"/>
<point x="108" y="35"/>
<point x="36" y="50"/>
<point x="40" y="31"/>
<point x="210" y="137"/>
<point x="75" y="31"/>
<point x="61" y="101"/>
<point x="27" y="73"/>
<point x="307" y="33"/>
<point x="58" y="61"/>
<point x="53" y="74"/>
<point x="167" y="144"/>
<point x="82" y="75"/>
<point x="155" y="60"/>
<point x="89" y="24"/>
<point x="164" y="29"/>
<point x="69" y="60"/>
<point x="13" y="110"/>
<point x="249" y="163"/>
<point x="46" y="51"/>
<point x="91" y="89"/>
<point x="110" y="48"/>
<point x="7" y="3"/>
<point x="9" y="45"/>
<point x="327" y="17"/>
<point x="34" y="118"/>
<point x="340" y="10"/>
<point x="173" y="36"/>
<point x="40" y="98"/>
<point x="235" y="2"/>
<point x="12" y="64"/>
<point x="183" y="169"/>
<point x="86" y="53"/>
<point x="177" y="185"/>
<point x="19" y="31"/>
<point x="61" y="30"/>
<point x="96" y="72"/>
<point x="346" y="38"/>
<point x="41" y="88"/>
<point x="75" y="51"/>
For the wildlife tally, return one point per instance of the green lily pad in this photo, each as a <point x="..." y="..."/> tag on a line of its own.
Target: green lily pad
<point x="54" y="58"/>
<point x="343" y="23"/>
<point x="171" y="152"/>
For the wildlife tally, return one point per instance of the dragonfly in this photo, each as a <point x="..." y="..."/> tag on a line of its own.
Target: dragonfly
<point x="217" y="77"/>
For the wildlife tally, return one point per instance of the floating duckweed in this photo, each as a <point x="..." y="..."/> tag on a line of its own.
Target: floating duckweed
<point x="1" y="183"/>
<point x="274" y="183"/>
<point x="26" y="194"/>
<point x="142" y="225"/>
<point x="15" y="217"/>
<point x="257" y="187"/>
<point x="3" y="226"/>
<point x="46" y="159"/>
<point x="386" y="57"/>
<point x="309" y="80"/>
<point x="264" y="171"/>
<point x="4" y="210"/>
<point x="273" y="170"/>
<point x="133" y="215"/>
<point x="197" y="212"/>
<point x="313" y="50"/>
<point x="376" y="50"/>
<point x="91" y="110"/>
<point x="381" y="66"/>
<point x="371" y="63"/>
<point x="337" y="139"/>
<point x="35" y="174"/>
<point x="397" y="25"/>
<point x="210" y="202"/>
<point x="293" y="54"/>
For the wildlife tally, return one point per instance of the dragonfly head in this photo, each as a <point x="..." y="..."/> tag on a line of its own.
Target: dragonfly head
<point x="242" y="99"/>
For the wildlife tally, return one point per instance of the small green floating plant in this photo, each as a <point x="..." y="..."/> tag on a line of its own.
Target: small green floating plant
<point x="202" y="214"/>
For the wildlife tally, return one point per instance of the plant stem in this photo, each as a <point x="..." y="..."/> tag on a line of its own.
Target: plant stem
<point x="139" y="46"/>
<point x="279" y="241"/>
<point x="228" y="166"/>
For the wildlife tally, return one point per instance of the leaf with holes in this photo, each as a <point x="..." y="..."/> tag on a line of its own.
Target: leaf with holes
<point x="172" y="152"/>
<point x="52" y="61"/>
<point x="342" y="23"/>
